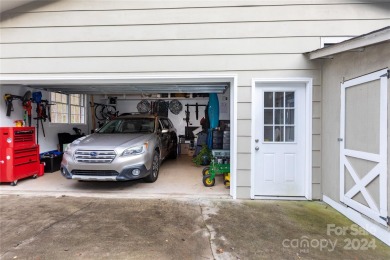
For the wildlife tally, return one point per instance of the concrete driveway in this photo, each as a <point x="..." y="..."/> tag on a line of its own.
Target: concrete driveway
<point x="66" y="227"/>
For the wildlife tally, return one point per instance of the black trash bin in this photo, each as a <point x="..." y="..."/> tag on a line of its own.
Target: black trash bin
<point x="52" y="160"/>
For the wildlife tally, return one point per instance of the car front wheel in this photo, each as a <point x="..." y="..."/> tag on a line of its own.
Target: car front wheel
<point x="173" y="154"/>
<point x="155" y="168"/>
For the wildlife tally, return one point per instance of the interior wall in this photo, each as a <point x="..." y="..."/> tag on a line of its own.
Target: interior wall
<point x="128" y="106"/>
<point x="50" y="140"/>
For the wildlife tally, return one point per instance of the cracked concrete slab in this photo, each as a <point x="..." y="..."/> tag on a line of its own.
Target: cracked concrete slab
<point x="68" y="228"/>
<point x="65" y="227"/>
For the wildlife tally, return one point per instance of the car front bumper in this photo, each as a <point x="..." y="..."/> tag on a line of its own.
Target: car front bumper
<point x="107" y="175"/>
<point x="120" y="169"/>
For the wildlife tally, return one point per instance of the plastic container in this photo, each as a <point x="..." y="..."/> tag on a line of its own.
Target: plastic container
<point x="41" y="169"/>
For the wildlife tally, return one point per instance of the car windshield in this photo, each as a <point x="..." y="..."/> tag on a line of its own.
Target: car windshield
<point x="129" y="125"/>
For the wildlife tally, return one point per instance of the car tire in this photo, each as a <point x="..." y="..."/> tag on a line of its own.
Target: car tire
<point x="173" y="154"/>
<point x="152" y="177"/>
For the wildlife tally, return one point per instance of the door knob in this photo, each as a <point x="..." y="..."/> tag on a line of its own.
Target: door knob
<point x="257" y="148"/>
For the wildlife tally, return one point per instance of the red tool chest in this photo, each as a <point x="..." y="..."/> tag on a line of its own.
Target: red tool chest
<point x="19" y="154"/>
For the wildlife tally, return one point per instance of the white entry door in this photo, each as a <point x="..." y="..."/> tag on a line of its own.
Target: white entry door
<point x="363" y="145"/>
<point x="279" y="133"/>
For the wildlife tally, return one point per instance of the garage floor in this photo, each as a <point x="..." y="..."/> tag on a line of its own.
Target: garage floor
<point x="177" y="178"/>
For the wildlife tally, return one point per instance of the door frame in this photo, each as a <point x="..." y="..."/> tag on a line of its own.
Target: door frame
<point x="308" y="82"/>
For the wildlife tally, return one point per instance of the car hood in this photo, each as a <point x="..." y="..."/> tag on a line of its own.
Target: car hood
<point x="104" y="141"/>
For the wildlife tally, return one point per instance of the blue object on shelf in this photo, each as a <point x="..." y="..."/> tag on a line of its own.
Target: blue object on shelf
<point x="50" y="154"/>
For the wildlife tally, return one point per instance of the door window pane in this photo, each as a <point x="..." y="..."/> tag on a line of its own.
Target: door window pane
<point x="268" y="99"/>
<point x="279" y="116"/>
<point x="289" y="134"/>
<point x="279" y="98"/>
<point x="289" y="116"/>
<point x="268" y="116"/>
<point x="279" y="135"/>
<point x="268" y="135"/>
<point x="290" y="99"/>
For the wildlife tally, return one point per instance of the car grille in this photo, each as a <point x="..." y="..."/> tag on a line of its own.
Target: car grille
<point x="90" y="156"/>
<point x="95" y="172"/>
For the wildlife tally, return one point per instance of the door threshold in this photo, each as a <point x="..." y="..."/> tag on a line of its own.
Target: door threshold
<point x="279" y="198"/>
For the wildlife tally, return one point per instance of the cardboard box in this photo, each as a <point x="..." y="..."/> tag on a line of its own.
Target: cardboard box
<point x="191" y="152"/>
<point x="184" y="148"/>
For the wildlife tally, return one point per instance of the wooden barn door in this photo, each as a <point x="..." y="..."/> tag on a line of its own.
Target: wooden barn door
<point x="363" y="145"/>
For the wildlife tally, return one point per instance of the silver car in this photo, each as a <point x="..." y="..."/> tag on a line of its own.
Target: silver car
<point x="126" y="148"/>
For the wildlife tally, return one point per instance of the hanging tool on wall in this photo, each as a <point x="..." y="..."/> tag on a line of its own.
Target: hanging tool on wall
<point x="187" y="118"/>
<point x="196" y="111"/>
<point x="46" y="109"/>
<point x="27" y="108"/>
<point x="37" y="99"/>
<point x="8" y="102"/>
<point x="92" y="107"/>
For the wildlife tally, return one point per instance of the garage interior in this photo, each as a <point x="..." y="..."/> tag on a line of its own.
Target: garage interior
<point x="179" y="177"/>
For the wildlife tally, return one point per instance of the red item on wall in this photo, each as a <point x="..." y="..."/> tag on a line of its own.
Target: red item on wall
<point x="19" y="154"/>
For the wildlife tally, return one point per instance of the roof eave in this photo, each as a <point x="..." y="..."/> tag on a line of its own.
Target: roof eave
<point x="360" y="42"/>
<point x="8" y="5"/>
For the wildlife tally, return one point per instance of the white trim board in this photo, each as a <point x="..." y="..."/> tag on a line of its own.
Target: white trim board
<point x="377" y="231"/>
<point x="309" y="99"/>
<point x="279" y="198"/>
<point x="333" y="40"/>
<point x="362" y="41"/>
<point x="233" y="137"/>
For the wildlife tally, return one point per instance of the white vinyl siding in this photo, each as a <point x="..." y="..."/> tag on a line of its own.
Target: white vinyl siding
<point x="206" y="31"/>
<point x="77" y="5"/>
<point x="201" y="15"/>
<point x="219" y="63"/>
<point x="252" y="39"/>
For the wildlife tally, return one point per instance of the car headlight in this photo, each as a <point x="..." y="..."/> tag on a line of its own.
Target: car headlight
<point x="135" y="150"/>
<point x="68" y="149"/>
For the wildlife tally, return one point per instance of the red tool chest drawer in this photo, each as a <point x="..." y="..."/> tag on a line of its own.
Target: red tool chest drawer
<point x="19" y="154"/>
<point x="25" y="156"/>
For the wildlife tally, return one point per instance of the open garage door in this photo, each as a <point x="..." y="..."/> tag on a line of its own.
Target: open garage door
<point x="152" y="89"/>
